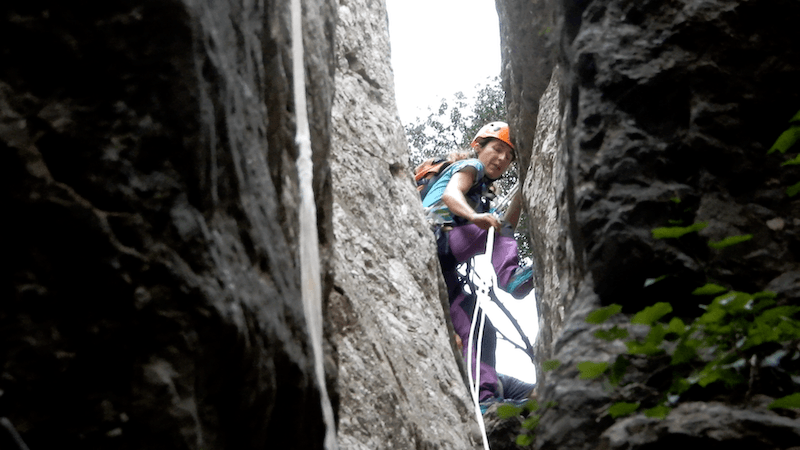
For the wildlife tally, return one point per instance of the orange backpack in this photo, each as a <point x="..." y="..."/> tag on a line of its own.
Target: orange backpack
<point x="427" y="172"/>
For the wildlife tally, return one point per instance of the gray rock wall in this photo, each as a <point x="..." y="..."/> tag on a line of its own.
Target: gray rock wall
<point x="660" y="102"/>
<point x="399" y="382"/>
<point x="151" y="296"/>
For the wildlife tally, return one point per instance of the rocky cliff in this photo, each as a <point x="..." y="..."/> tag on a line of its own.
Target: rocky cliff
<point x="151" y="290"/>
<point x="399" y="383"/>
<point x="152" y="296"/>
<point x="662" y="114"/>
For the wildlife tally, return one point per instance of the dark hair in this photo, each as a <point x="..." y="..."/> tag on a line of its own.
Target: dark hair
<point x="483" y="141"/>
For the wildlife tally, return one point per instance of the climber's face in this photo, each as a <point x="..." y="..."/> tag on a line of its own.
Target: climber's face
<point x="496" y="156"/>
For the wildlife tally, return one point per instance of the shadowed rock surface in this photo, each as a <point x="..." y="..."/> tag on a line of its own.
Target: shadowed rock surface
<point x="667" y="110"/>
<point x="151" y="296"/>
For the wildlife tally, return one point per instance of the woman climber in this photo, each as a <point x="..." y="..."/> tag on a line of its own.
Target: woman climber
<point x="457" y="206"/>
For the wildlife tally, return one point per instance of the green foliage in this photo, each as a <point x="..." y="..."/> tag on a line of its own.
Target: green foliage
<point x="792" y="190"/>
<point x="591" y="370"/>
<point x="717" y="348"/>
<point x="789" y="137"/>
<point x="551" y="364"/>
<point x="530" y="421"/>
<point x="507" y="410"/>
<point x="652" y="313"/>
<point x="788" y="402"/>
<point x="622" y="409"/>
<point x="709" y="289"/>
<point x="658" y="412"/>
<point x="611" y="335"/>
<point x="524" y="440"/>
<point x="600" y="315"/>
<point x="792" y="162"/>
<point x="730" y="240"/>
<point x="786" y="141"/>
<point x="676" y="232"/>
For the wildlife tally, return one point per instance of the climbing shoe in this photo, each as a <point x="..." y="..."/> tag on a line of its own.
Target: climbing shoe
<point x="520" y="277"/>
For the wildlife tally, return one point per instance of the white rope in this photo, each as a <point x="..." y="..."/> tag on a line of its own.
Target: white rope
<point x="478" y="320"/>
<point x="502" y="203"/>
<point x="310" y="278"/>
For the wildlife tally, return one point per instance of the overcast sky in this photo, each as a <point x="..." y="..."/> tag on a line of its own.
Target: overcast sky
<point x="440" y="47"/>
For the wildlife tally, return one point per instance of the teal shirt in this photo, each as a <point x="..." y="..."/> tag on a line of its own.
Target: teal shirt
<point x="435" y="209"/>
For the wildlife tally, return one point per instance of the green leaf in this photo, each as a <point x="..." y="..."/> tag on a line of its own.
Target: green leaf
<point x="792" y="190"/>
<point x="709" y="289"/>
<point x="507" y="410"/>
<point x="531" y="422"/>
<point x="764" y="294"/>
<point x="622" y="409"/>
<point x="590" y="370"/>
<point x="733" y="301"/>
<point x="656" y="334"/>
<point x="600" y="315"/>
<point x="786" y="140"/>
<point x="523" y="440"/>
<point x="648" y="348"/>
<point x="712" y="372"/>
<point x="789" y="402"/>
<point x="680" y="385"/>
<point x="730" y="240"/>
<point x="792" y="162"/>
<point x="676" y="232"/>
<point x="652" y="313"/>
<point x="676" y="326"/>
<point x="685" y="352"/>
<point x="659" y="412"/>
<point x="612" y="334"/>
<point x="551" y="364"/>
<point x="531" y="405"/>
<point x="675" y="200"/>
<point x="795" y="118"/>
<point x="713" y="315"/>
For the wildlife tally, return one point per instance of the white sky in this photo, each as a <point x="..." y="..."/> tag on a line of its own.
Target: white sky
<point x="440" y="47"/>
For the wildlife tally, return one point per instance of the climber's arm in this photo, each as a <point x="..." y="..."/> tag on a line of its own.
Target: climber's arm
<point x="457" y="203"/>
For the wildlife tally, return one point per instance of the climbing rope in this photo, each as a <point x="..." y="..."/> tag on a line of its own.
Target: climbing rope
<point x="483" y="286"/>
<point x="311" y="290"/>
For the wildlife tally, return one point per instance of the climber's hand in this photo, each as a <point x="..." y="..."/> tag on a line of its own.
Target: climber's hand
<point x="486" y="221"/>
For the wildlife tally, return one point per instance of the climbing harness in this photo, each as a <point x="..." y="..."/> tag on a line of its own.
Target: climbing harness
<point x="481" y="280"/>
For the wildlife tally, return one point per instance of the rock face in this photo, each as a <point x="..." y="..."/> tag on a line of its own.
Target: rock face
<point x="399" y="383"/>
<point x="665" y="114"/>
<point x="153" y="292"/>
<point x="151" y="296"/>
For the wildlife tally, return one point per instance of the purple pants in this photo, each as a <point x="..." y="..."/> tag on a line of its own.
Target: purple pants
<point x="465" y="242"/>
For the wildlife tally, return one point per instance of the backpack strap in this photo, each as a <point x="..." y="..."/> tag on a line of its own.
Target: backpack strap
<point x="428" y="172"/>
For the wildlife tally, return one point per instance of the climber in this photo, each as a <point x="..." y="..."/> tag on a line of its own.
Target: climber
<point x="457" y="207"/>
